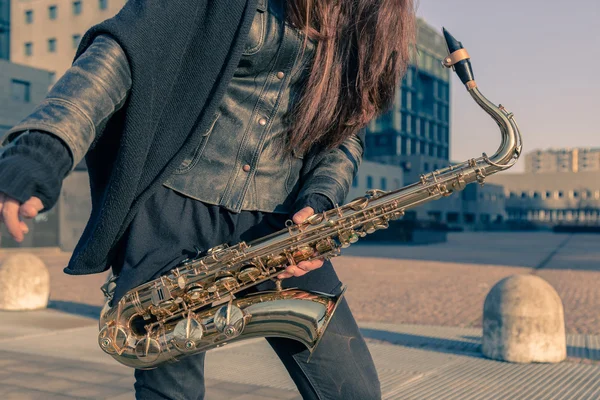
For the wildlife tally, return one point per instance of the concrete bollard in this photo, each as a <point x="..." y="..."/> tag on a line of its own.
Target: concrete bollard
<point x="523" y="321"/>
<point x="24" y="283"/>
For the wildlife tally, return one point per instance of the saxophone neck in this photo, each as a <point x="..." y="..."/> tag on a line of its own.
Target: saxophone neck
<point x="510" y="148"/>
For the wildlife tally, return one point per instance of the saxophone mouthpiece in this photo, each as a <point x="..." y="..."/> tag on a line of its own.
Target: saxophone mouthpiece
<point x="458" y="58"/>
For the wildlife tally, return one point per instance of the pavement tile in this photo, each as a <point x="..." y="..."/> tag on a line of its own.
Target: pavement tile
<point x="90" y="391"/>
<point x="40" y="382"/>
<point x="27" y="368"/>
<point x="214" y="393"/>
<point x="84" y="375"/>
<point x="276" y="393"/>
<point x="236" y="387"/>
<point x="5" y="362"/>
<point x="25" y="394"/>
<point x="253" y="396"/>
<point x="125" y="396"/>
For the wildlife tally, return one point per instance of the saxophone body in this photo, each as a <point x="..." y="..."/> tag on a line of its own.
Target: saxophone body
<point x="200" y="304"/>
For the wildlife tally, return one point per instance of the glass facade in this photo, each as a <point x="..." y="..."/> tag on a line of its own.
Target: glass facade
<point x="415" y="132"/>
<point x="5" y="29"/>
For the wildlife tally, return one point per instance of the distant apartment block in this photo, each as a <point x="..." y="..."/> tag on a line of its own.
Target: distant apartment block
<point x="45" y="33"/>
<point x="415" y="133"/>
<point x="563" y="160"/>
<point x="551" y="198"/>
<point x="21" y="89"/>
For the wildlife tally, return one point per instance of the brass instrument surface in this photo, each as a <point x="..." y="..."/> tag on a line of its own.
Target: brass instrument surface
<point x="194" y="307"/>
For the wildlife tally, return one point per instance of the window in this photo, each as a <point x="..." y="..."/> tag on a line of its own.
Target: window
<point x="28" y="48"/>
<point x="425" y="167"/>
<point x="76" y="40"/>
<point x="452" y="217"/>
<point x="469" y="218"/>
<point x="383" y="183"/>
<point x="52" y="12"/>
<point x="103" y="4"/>
<point x="369" y="182"/>
<point x="52" y="77"/>
<point x="76" y="7"/>
<point x="29" y="16"/>
<point x="52" y="45"/>
<point x="20" y="91"/>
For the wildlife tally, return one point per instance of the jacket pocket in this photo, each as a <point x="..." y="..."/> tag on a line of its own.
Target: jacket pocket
<point x="193" y="158"/>
<point x="256" y="36"/>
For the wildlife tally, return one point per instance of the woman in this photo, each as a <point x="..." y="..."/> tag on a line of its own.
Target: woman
<point x="212" y="122"/>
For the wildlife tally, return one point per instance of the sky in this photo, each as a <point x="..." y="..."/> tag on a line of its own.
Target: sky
<point x="540" y="59"/>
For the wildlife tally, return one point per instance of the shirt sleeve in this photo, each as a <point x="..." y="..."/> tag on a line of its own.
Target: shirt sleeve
<point x="330" y="173"/>
<point x="82" y="101"/>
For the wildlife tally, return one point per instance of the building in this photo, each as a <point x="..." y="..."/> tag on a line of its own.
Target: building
<point x="45" y="33"/>
<point x="415" y="133"/>
<point x="375" y="176"/>
<point x="4" y="29"/>
<point x="21" y="89"/>
<point x="547" y="199"/>
<point x="562" y="160"/>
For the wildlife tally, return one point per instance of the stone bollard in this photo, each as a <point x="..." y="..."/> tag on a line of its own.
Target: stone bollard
<point x="24" y="283"/>
<point x="523" y="321"/>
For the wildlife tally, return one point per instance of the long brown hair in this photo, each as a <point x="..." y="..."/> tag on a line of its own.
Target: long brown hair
<point x="362" y="51"/>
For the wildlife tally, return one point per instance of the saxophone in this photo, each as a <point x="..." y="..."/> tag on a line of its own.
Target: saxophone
<point x="194" y="308"/>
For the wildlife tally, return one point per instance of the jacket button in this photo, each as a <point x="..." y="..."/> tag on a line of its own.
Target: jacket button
<point x="246" y="168"/>
<point x="262" y="121"/>
<point x="280" y="74"/>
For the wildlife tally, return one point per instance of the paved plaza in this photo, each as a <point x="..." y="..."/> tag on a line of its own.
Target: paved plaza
<point x="418" y="306"/>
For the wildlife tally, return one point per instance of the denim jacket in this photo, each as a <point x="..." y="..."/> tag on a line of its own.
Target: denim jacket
<point x="240" y="163"/>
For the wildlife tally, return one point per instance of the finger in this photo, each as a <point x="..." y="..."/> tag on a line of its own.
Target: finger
<point x="301" y="215"/>
<point x="31" y="207"/>
<point x="295" y="271"/>
<point x="24" y="227"/>
<point x="10" y="214"/>
<point x="310" y="265"/>
<point x="290" y="271"/>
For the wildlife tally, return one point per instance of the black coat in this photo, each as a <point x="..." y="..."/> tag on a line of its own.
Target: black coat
<point x="182" y="55"/>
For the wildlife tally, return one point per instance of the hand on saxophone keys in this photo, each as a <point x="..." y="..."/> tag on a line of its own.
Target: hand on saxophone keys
<point x="302" y="267"/>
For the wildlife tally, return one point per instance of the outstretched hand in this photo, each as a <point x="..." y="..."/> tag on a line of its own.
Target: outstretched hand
<point x="302" y="267"/>
<point x="11" y="211"/>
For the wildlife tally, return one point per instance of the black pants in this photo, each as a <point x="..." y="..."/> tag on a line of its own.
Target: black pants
<point x="169" y="224"/>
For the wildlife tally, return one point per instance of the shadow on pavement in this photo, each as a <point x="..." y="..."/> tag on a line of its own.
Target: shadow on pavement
<point x="69" y="307"/>
<point x="471" y="346"/>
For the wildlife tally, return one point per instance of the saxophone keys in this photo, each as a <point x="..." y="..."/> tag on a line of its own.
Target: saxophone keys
<point x="249" y="273"/>
<point x="148" y="350"/>
<point x="303" y="253"/>
<point x="196" y="293"/>
<point x="229" y="320"/>
<point x="226" y="284"/>
<point x="315" y="219"/>
<point x="187" y="333"/>
<point x="111" y="339"/>
<point x="276" y="261"/>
